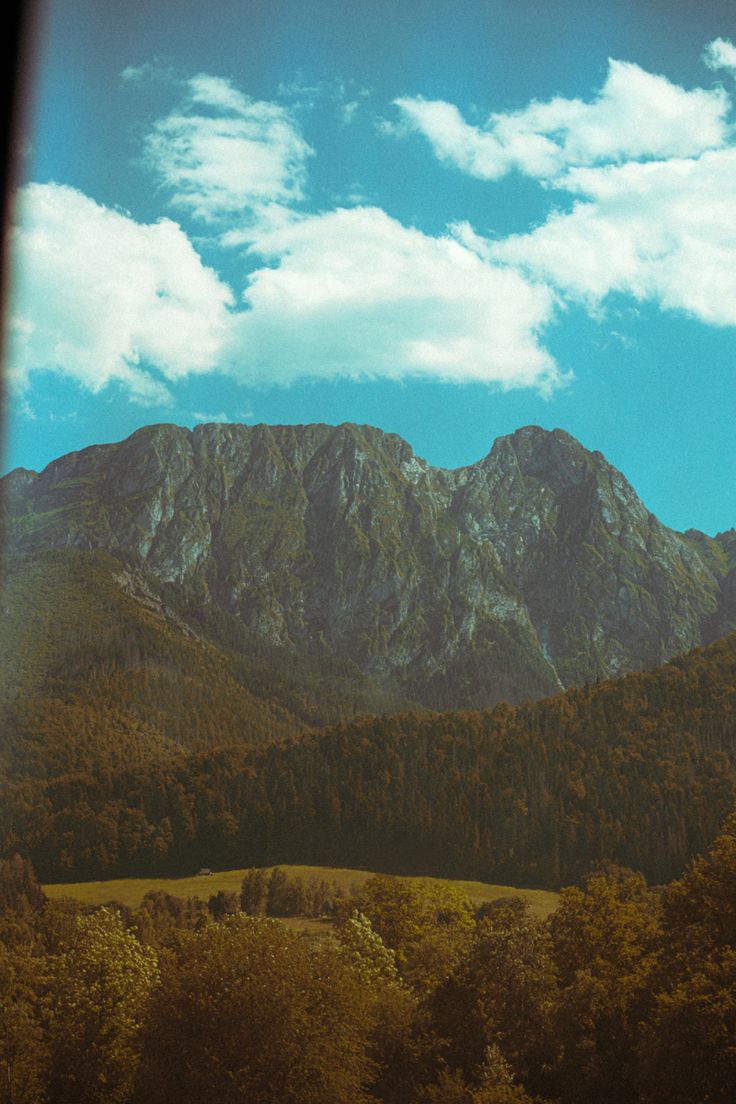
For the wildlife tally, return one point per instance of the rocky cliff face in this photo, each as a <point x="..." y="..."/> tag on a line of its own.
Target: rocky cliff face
<point x="536" y="568"/>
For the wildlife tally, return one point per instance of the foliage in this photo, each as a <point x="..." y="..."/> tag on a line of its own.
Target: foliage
<point x="639" y="770"/>
<point x="605" y="941"/>
<point x="23" y="1045"/>
<point x="161" y="916"/>
<point x="426" y="924"/>
<point x="248" y="1011"/>
<point x="100" y="986"/>
<point x="366" y="952"/>
<point x="624" y="995"/>
<point x="501" y="999"/>
<point x="688" y="1042"/>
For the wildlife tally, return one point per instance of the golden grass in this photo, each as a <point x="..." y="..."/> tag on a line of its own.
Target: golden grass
<point x="131" y="891"/>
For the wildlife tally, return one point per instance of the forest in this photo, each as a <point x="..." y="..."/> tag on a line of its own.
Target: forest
<point x="625" y="994"/>
<point x="132" y="748"/>
<point x="638" y="770"/>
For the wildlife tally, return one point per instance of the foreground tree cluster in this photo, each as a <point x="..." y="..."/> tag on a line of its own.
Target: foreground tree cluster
<point x="624" y="995"/>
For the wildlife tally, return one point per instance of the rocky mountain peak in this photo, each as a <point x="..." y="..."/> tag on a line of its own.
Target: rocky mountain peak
<point x="536" y="567"/>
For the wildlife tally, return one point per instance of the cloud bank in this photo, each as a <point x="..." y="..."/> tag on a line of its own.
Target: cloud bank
<point x="354" y="293"/>
<point x="652" y="169"/>
<point x="636" y="115"/>
<point x="663" y="231"/>
<point x="351" y="292"/>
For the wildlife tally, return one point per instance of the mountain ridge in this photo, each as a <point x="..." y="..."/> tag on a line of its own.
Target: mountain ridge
<point x="535" y="568"/>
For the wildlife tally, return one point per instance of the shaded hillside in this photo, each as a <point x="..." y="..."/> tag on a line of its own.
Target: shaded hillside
<point x="336" y="551"/>
<point x="639" y="770"/>
<point x="90" y="657"/>
<point x="94" y="652"/>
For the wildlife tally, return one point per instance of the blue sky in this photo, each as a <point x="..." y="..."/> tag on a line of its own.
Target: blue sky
<point x="448" y="220"/>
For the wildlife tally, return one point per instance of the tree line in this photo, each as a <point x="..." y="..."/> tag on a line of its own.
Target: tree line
<point x="623" y="995"/>
<point x="639" y="770"/>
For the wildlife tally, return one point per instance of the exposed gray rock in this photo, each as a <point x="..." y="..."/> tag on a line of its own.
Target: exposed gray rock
<point x="537" y="567"/>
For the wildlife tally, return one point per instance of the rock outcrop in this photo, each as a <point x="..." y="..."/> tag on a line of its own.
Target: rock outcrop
<point x="534" y="569"/>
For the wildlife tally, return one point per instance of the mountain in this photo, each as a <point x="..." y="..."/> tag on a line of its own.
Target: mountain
<point x="334" y="557"/>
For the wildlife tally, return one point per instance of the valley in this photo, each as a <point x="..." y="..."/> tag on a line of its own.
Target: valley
<point x="180" y="691"/>
<point x="302" y="658"/>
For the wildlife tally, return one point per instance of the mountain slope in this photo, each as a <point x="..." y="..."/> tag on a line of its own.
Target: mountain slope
<point x="534" y="569"/>
<point x="640" y="770"/>
<point x="95" y="668"/>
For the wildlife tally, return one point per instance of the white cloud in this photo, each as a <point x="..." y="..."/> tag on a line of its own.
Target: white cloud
<point x="348" y="111"/>
<point x="652" y="169"/>
<point x="224" y="154"/>
<point x="350" y="293"/>
<point x="720" y="54"/>
<point x="663" y="231"/>
<point x="353" y="293"/>
<point x="637" y="115"/>
<point x="101" y="298"/>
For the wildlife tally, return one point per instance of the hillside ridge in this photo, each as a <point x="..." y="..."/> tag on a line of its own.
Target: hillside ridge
<point x="535" y="568"/>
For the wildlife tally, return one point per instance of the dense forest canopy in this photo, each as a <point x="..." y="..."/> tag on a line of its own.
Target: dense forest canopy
<point x="623" y="995"/>
<point x="156" y="761"/>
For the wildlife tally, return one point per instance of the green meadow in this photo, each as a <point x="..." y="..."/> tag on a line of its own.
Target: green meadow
<point x="131" y="891"/>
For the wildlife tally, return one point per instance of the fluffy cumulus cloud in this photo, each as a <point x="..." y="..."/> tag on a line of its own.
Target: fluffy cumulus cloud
<point x="350" y="293"/>
<point x="720" y="54"/>
<point x="223" y="154"/>
<point x="652" y="172"/>
<point x="663" y="231"/>
<point x="637" y="115"/>
<point x="102" y="298"/>
<point x="354" y="293"/>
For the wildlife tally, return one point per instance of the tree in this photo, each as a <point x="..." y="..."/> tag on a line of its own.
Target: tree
<point x="19" y="886"/>
<point x="284" y="895"/>
<point x="161" y="916"/>
<point x="605" y="939"/>
<point x="700" y="907"/>
<point x="23" y="1051"/>
<point x="427" y="923"/>
<point x="394" y="1044"/>
<point x="366" y="952"/>
<point x="251" y="1011"/>
<point x="499" y="1001"/>
<point x="496" y="1085"/>
<point x="254" y="892"/>
<point x="496" y="1082"/>
<point x="99" y="991"/>
<point x="223" y="903"/>
<point x="687" y="1045"/>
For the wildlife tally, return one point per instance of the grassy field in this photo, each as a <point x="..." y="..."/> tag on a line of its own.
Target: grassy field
<point x="130" y="891"/>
